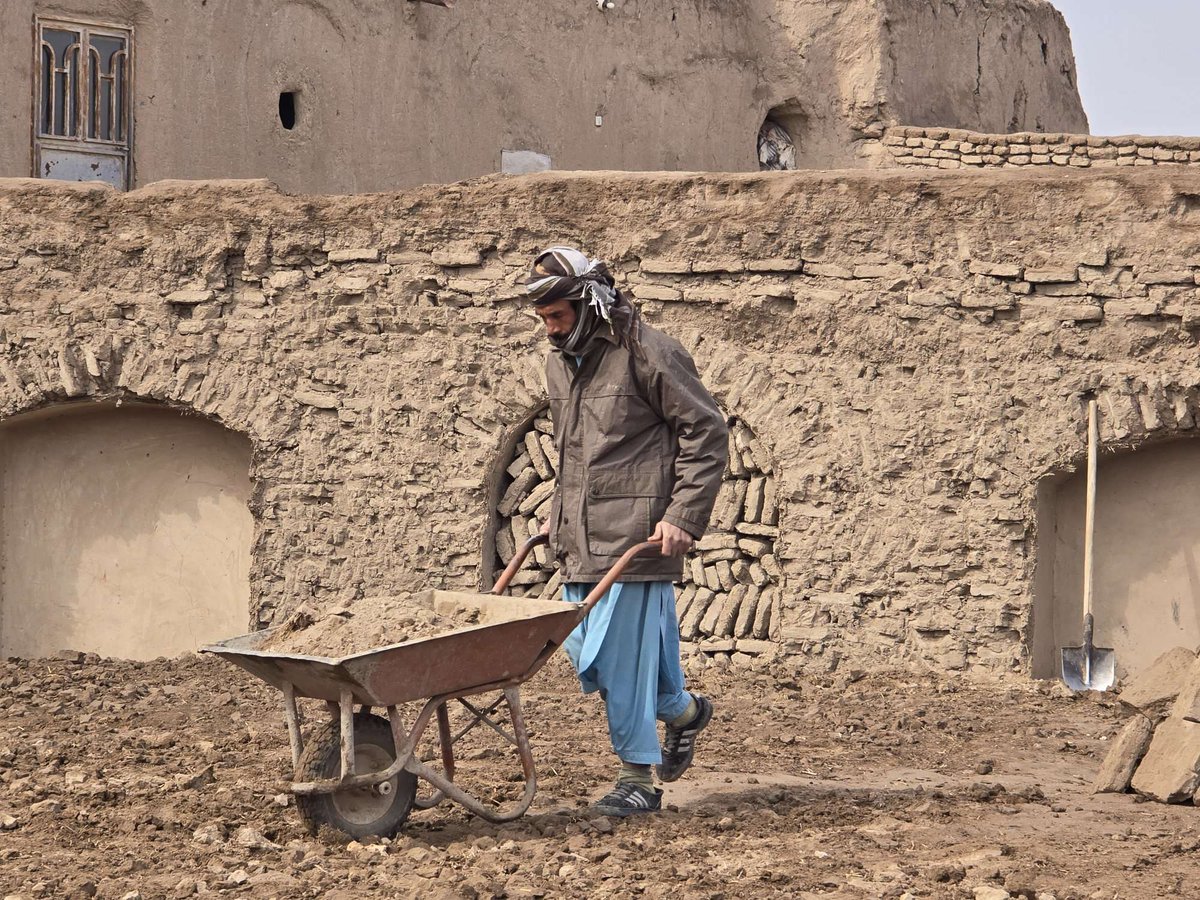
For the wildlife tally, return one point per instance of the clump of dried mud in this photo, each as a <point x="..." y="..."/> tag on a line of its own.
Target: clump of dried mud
<point x="365" y="625"/>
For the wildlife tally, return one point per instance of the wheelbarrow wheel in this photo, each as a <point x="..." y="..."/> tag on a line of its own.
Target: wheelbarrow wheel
<point x="359" y="812"/>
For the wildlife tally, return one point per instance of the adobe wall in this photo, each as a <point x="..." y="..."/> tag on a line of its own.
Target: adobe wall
<point x="909" y="350"/>
<point x="394" y="93"/>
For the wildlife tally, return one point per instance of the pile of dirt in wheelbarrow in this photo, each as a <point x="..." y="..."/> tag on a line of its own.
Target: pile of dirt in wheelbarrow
<point x="365" y="625"/>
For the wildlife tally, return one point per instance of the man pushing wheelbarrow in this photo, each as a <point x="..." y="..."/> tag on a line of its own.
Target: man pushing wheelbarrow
<point x="641" y="452"/>
<point x="642" y="447"/>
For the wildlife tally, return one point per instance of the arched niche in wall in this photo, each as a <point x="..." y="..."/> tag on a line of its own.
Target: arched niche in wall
<point x="780" y="135"/>
<point x="730" y="597"/>
<point x="124" y="531"/>
<point x="1146" y="589"/>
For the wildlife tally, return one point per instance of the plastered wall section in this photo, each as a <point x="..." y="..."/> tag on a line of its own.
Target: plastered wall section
<point x="1146" y="586"/>
<point x="391" y="93"/>
<point x="910" y="350"/>
<point x="123" y="531"/>
<point x="986" y="65"/>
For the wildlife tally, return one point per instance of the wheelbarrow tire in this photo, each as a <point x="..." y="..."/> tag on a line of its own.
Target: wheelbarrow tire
<point x="362" y="812"/>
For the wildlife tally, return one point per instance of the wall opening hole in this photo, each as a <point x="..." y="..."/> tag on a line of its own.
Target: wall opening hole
<point x="775" y="147"/>
<point x="780" y="137"/>
<point x="288" y="105"/>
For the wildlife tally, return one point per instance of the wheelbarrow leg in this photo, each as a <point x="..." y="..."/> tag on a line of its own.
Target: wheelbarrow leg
<point x="347" y="736"/>
<point x="446" y="742"/>
<point x="292" y="716"/>
<point x="401" y="740"/>
<point x="513" y="696"/>
<point x="520" y="738"/>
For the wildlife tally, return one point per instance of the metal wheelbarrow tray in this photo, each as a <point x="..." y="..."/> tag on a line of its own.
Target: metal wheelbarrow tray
<point x="358" y="772"/>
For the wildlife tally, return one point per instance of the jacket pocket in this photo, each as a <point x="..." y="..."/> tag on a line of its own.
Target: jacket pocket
<point x="622" y="507"/>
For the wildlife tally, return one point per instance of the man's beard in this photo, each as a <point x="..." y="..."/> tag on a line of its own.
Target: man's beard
<point x="577" y="339"/>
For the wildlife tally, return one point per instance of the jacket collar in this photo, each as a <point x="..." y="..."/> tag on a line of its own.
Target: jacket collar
<point x="605" y="334"/>
<point x="595" y="350"/>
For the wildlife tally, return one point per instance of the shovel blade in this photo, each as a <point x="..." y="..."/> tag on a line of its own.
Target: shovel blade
<point x="1081" y="673"/>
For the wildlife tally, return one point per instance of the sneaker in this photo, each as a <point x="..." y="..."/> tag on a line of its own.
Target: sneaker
<point x="680" y="743"/>
<point x="629" y="799"/>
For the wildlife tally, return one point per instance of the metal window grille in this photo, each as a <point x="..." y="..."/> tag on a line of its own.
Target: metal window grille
<point x="82" y="86"/>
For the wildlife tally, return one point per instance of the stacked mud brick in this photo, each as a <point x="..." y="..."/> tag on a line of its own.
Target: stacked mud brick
<point x="1157" y="752"/>
<point x="729" y="600"/>
<point x="950" y="148"/>
<point x="531" y="478"/>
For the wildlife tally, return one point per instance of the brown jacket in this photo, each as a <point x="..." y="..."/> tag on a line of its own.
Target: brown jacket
<point x="639" y="440"/>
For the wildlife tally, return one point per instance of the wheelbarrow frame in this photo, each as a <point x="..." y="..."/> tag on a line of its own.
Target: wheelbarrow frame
<point x="406" y="741"/>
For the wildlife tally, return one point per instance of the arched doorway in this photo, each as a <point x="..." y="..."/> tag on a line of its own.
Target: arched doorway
<point x="124" y="531"/>
<point x="1147" y="550"/>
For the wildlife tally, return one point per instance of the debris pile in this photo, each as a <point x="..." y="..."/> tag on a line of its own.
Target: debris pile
<point x="1157" y="753"/>
<point x="729" y="601"/>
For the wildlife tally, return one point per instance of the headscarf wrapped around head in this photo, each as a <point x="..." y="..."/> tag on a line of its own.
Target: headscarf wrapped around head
<point x="563" y="273"/>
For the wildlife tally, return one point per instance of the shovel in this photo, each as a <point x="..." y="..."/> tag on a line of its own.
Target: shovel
<point x="1089" y="668"/>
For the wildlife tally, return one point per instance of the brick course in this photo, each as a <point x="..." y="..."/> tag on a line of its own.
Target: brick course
<point x="908" y="145"/>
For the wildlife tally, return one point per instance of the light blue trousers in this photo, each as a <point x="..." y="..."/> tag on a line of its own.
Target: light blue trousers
<point x="628" y="650"/>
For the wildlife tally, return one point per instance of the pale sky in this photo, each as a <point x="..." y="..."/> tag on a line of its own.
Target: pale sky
<point x="1137" y="64"/>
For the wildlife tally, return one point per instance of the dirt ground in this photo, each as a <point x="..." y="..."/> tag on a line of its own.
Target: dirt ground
<point x="162" y="779"/>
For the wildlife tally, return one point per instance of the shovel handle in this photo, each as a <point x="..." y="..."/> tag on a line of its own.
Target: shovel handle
<point x="1089" y="525"/>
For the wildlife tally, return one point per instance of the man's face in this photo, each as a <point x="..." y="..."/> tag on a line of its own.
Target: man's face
<point x="558" y="317"/>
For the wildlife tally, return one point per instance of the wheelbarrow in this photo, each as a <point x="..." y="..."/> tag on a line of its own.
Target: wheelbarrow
<point x="358" y="772"/>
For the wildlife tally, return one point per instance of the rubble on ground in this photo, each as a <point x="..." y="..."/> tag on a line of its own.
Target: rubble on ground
<point x="164" y="779"/>
<point x="1157" y="753"/>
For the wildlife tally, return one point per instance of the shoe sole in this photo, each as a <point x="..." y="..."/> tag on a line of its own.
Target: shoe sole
<point x="623" y="812"/>
<point x="706" y="713"/>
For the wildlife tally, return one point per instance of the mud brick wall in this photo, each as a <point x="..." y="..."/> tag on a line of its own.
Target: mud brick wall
<point x="908" y="352"/>
<point x="951" y="148"/>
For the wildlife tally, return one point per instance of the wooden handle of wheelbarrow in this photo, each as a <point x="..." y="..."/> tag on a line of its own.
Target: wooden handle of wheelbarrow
<point x="517" y="561"/>
<point x="615" y="572"/>
<point x="597" y="592"/>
